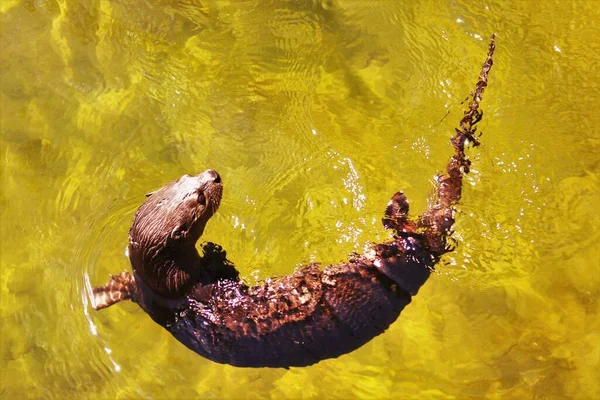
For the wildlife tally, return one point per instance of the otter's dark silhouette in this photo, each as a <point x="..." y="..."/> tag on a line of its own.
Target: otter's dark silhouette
<point x="296" y="320"/>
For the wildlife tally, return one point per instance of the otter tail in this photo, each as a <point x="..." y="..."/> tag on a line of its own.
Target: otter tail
<point x="438" y="220"/>
<point x="119" y="288"/>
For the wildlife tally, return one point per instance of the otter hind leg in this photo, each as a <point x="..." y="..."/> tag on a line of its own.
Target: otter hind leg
<point x="396" y="214"/>
<point x="119" y="288"/>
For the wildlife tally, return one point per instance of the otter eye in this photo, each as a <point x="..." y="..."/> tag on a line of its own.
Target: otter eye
<point x="201" y="198"/>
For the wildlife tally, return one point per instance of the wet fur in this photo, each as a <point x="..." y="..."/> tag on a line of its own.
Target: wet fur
<point x="296" y="320"/>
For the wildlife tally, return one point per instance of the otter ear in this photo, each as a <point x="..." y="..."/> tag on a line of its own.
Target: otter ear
<point x="178" y="233"/>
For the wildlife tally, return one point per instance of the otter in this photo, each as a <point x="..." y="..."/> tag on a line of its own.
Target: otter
<point x="296" y="320"/>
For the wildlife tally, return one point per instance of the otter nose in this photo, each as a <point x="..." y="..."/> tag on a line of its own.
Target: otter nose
<point x="213" y="175"/>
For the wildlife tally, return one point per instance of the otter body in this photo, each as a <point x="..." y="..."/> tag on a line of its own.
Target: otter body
<point x="296" y="320"/>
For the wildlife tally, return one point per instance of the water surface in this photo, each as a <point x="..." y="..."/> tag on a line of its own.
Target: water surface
<point x="314" y="114"/>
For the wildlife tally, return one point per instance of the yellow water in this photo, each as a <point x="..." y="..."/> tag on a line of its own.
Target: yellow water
<point x="314" y="114"/>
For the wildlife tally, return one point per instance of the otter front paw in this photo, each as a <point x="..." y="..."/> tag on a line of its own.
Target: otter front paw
<point x="119" y="288"/>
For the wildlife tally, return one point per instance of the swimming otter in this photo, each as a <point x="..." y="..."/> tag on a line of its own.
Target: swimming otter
<point x="295" y="320"/>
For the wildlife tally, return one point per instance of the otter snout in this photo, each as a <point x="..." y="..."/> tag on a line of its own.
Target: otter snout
<point x="210" y="175"/>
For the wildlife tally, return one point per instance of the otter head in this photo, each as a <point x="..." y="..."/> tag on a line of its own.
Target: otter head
<point x="168" y="225"/>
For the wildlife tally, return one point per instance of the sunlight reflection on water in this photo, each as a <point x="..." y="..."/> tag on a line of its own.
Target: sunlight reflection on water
<point x="314" y="115"/>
